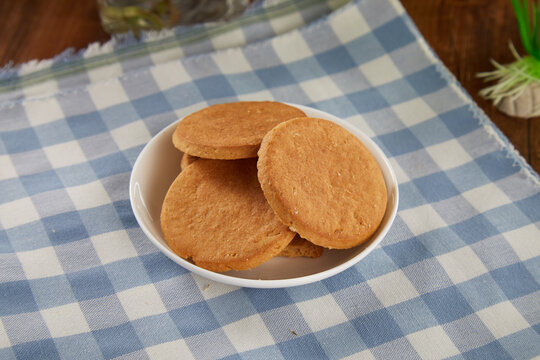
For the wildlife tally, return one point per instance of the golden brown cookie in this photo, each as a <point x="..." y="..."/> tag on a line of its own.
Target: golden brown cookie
<point x="301" y="247"/>
<point x="232" y="130"/>
<point x="322" y="182"/>
<point x="187" y="160"/>
<point x="215" y="213"/>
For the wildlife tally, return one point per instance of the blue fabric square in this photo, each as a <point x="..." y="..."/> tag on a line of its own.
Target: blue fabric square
<point x="7" y="354"/>
<point x="407" y="252"/>
<point x="340" y="341"/>
<point x="77" y="346"/>
<point x="367" y="100"/>
<point x="474" y="229"/>
<point x="5" y="245"/>
<point x="90" y="284"/>
<point x="307" y="292"/>
<point x="431" y="132"/>
<point x="100" y="219"/>
<point x="394" y="34"/>
<point x="524" y="344"/>
<point x="41" y="182"/>
<point x="147" y="106"/>
<point x="275" y="76"/>
<point x="20" y="140"/>
<point x="515" y="280"/>
<point x="491" y="351"/>
<point x="159" y="267"/>
<point x="16" y="297"/>
<point x="377" y="263"/>
<point x="397" y="92"/>
<point x="335" y="60"/>
<point x="466" y="177"/>
<point x="447" y="304"/>
<point x="125" y="213"/>
<point x="400" y="142"/>
<point x="215" y="87"/>
<point x="194" y="319"/>
<point x="231" y="307"/>
<point x="52" y="291"/>
<point x="377" y="328"/>
<point x="436" y="187"/>
<point x="269" y="299"/>
<point x="183" y="95"/>
<point x="530" y="206"/>
<point x="28" y="237"/>
<point x="507" y="217"/>
<point x="117" y="340"/>
<point x="365" y="48"/>
<point x="343" y="280"/>
<point x="481" y="292"/>
<point x="42" y="349"/>
<point x="440" y="241"/>
<point x="413" y="315"/>
<point x="110" y="165"/>
<point x="339" y="106"/>
<point x="119" y="115"/>
<point x="496" y="165"/>
<point x="306" y="347"/>
<point x="460" y="121"/>
<point x="76" y="174"/>
<point x="146" y="329"/>
<point x="64" y="228"/>
<point x="245" y="83"/>
<point x="409" y="196"/>
<point x="12" y="189"/>
<point x="86" y="124"/>
<point x="426" y="81"/>
<point x="127" y="274"/>
<point x="55" y="132"/>
<point x="306" y="69"/>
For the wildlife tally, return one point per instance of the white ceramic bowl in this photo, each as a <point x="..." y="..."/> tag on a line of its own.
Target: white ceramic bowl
<point x="158" y="165"/>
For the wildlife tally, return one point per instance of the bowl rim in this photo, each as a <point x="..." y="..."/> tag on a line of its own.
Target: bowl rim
<point x="392" y="205"/>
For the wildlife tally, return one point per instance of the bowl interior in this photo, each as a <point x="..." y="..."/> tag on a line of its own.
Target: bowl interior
<point x="158" y="165"/>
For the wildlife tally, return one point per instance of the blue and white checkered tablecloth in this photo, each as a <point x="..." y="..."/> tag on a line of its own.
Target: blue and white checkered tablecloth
<point x="456" y="277"/>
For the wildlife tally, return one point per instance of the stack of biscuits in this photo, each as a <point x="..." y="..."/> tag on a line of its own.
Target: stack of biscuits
<point x="261" y="179"/>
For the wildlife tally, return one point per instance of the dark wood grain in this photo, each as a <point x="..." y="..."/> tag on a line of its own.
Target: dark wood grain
<point x="465" y="34"/>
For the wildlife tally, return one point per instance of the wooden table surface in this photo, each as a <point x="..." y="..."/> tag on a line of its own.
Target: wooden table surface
<point x="465" y="34"/>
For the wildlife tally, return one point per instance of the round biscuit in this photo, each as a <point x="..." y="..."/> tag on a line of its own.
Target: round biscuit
<point x="232" y="130"/>
<point x="215" y="213"/>
<point x="322" y="182"/>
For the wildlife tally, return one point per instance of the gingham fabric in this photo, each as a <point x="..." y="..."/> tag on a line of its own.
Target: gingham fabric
<point x="456" y="277"/>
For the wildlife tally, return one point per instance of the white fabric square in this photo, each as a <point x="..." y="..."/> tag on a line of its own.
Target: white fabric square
<point x="88" y="195"/>
<point x="107" y="93"/>
<point x="17" y="212"/>
<point x="249" y="333"/>
<point x="393" y="288"/>
<point x="65" y="154"/>
<point x="169" y="75"/>
<point x="320" y="89"/>
<point x="380" y="71"/>
<point x="525" y="241"/>
<point x="40" y="263"/>
<point x="65" y="320"/>
<point x="317" y="319"/>
<point x="462" y="264"/>
<point x="401" y="175"/>
<point x="422" y="219"/>
<point x="414" y="111"/>
<point x="433" y="343"/>
<point x="486" y="197"/>
<point x="113" y="246"/>
<point x="231" y="62"/>
<point x="141" y="301"/>
<point x="361" y="123"/>
<point x="228" y="39"/>
<point x="211" y="289"/>
<point x="4" y="339"/>
<point x="341" y="25"/>
<point x="43" y="111"/>
<point x="448" y="154"/>
<point x="7" y="170"/>
<point x="105" y="72"/>
<point x="173" y="350"/>
<point x="502" y="319"/>
<point x="291" y="47"/>
<point x="43" y="88"/>
<point x="131" y="135"/>
<point x="256" y="96"/>
<point x="164" y="56"/>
